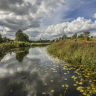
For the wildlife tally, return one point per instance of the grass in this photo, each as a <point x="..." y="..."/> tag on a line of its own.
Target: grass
<point x="80" y="54"/>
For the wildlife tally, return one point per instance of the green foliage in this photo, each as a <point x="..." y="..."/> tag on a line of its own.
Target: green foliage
<point x="64" y="37"/>
<point x="81" y="36"/>
<point x="91" y="36"/>
<point x="81" y="55"/>
<point x="86" y="33"/>
<point x="60" y="38"/>
<point x="21" y="36"/>
<point x="57" y="40"/>
<point x="4" y="39"/>
<point x="1" y="38"/>
<point x="87" y="38"/>
<point x="68" y="37"/>
<point x="75" y="40"/>
<point x="74" y="36"/>
<point x="52" y="41"/>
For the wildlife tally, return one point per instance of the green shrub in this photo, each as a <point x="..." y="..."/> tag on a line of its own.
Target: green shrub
<point x="57" y="40"/>
<point x="75" y="40"/>
<point x="21" y="44"/>
<point x="87" y="38"/>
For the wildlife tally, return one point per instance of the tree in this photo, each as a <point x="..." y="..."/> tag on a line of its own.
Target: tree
<point x="87" y="38"/>
<point x="81" y="36"/>
<point x="74" y="36"/>
<point x="64" y="37"/>
<point x="4" y="39"/>
<point x="21" y="36"/>
<point x="1" y="38"/>
<point x="86" y="33"/>
<point x="60" y="38"/>
<point x="91" y="36"/>
<point x="68" y="37"/>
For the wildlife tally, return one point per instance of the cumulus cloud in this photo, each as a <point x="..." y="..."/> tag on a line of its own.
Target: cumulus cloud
<point x="94" y="16"/>
<point x="78" y="25"/>
<point x="25" y="14"/>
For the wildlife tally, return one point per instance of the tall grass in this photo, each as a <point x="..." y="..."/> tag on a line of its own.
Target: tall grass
<point x="76" y="53"/>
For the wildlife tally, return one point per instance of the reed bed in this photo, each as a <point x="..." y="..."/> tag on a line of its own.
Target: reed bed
<point x="81" y="54"/>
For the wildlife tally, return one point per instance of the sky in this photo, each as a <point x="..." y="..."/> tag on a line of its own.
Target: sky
<point x="47" y="19"/>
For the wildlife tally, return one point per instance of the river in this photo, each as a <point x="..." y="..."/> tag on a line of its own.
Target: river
<point x="33" y="72"/>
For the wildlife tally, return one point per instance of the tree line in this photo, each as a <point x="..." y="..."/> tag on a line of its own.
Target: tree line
<point x="82" y="36"/>
<point x="19" y="37"/>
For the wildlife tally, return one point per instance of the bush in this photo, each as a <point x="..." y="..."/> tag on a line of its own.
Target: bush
<point x="88" y="38"/>
<point x="57" y="40"/>
<point x="21" y="44"/>
<point x="82" y="38"/>
<point x="75" y="40"/>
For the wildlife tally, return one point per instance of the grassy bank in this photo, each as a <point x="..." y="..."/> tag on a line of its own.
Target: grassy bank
<point x="80" y="54"/>
<point x="4" y="47"/>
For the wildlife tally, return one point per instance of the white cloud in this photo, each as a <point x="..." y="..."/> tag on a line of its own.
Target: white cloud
<point x="94" y="16"/>
<point x="25" y="14"/>
<point x="93" y="34"/>
<point x="78" y="25"/>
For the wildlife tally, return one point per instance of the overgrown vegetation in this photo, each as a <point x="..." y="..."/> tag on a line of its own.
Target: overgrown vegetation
<point x="80" y="53"/>
<point x="21" y="36"/>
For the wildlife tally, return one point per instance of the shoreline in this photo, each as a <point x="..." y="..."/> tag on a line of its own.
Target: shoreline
<point x="7" y="46"/>
<point x="79" y="54"/>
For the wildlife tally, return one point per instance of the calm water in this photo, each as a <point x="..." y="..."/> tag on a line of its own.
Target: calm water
<point x="45" y="75"/>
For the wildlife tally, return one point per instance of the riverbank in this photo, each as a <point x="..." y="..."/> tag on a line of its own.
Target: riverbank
<point x="4" y="47"/>
<point x="80" y="54"/>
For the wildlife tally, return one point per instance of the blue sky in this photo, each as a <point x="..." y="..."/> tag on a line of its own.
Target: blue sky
<point x="47" y="19"/>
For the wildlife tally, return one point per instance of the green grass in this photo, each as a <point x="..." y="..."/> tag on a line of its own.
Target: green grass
<point x="81" y="54"/>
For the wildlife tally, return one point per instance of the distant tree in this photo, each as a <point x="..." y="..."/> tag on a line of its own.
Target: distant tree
<point x="74" y="36"/>
<point x="86" y="33"/>
<point x="60" y="38"/>
<point x="91" y="36"/>
<point x="52" y="40"/>
<point x="81" y="36"/>
<point x="21" y="36"/>
<point x="25" y="36"/>
<point x="4" y="39"/>
<point x="68" y="37"/>
<point x="64" y="37"/>
<point x="87" y="38"/>
<point x="8" y="39"/>
<point x="1" y="38"/>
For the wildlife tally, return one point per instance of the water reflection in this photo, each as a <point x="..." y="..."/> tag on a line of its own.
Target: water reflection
<point x="21" y="53"/>
<point x="44" y="76"/>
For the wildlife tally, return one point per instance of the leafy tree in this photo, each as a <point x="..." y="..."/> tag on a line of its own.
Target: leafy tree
<point x="91" y="36"/>
<point x="21" y="36"/>
<point x="57" y="40"/>
<point x="74" y="36"/>
<point x="52" y="40"/>
<point x="88" y="38"/>
<point x="25" y="36"/>
<point x="64" y="37"/>
<point x="81" y="36"/>
<point x="4" y="39"/>
<point x="68" y="37"/>
<point x="86" y="33"/>
<point x="0" y="38"/>
<point x="60" y="38"/>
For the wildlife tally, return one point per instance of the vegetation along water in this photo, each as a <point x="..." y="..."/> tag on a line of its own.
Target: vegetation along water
<point x="65" y="67"/>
